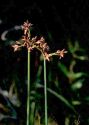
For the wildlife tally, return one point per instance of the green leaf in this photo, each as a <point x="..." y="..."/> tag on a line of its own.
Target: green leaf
<point x="75" y="76"/>
<point x="39" y="71"/>
<point x="77" y="85"/>
<point x="64" y="100"/>
<point x="70" y="47"/>
<point x="63" y="69"/>
<point x="71" y="75"/>
<point x="76" y="102"/>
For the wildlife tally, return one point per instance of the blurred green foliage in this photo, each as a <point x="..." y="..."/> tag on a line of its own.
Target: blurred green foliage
<point x="67" y="83"/>
<point x="67" y="79"/>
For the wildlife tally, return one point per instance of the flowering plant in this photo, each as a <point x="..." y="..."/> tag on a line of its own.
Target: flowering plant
<point x="40" y="44"/>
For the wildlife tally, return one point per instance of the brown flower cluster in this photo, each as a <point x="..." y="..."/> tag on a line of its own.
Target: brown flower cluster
<point x="31" y="43"/>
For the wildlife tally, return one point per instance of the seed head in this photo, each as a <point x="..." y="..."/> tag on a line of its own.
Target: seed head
<point x="61" y="53"/>
<point x="16" y="47"/>
<point x="40" y="44"/>
<point x="26" y="26"/>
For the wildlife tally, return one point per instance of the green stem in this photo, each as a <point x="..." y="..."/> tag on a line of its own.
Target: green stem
<point x="28" y="90"/>
<point x="45" y="93"/>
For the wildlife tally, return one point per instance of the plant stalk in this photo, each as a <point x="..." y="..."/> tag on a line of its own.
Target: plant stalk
<point x="28" y="89"/>
<point x="45" y="94"/>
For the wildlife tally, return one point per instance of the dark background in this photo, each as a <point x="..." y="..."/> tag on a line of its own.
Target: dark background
<point x="63" y="19"/>
<point x="57" y="21"/>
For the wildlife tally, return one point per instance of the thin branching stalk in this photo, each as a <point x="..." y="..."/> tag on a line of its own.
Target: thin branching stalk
<point x="41" y="45"/>
<point x="45" y="93"/>
<point x="28" y="90"/>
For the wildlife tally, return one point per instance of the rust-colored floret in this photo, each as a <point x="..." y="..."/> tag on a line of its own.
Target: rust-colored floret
<point x="26" y="26"/>
<point x="61" y="53"/>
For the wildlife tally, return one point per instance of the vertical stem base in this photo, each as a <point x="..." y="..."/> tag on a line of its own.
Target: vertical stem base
<point x="45" y="93"/>
<point x="28" y="90"/>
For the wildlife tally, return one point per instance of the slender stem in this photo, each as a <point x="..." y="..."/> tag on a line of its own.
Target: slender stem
<point x="28" y="90"/>
<point x="45" y="93"/>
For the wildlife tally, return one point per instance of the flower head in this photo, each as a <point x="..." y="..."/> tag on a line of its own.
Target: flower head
<point x="26" y="26"/>
<point x="61" y="53"/>
<point x="31" y="43"/>
<point x="16" y="47"/>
